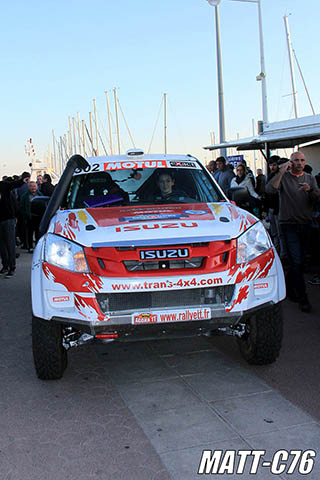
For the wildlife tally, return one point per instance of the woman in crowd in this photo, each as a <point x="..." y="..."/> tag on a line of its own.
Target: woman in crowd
<point x="242" y="180"/>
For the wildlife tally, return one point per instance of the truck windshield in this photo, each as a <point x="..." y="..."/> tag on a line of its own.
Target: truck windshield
<point x="142" y="186"/>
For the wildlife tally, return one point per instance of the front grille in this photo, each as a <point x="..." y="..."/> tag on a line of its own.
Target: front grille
<point x="138" y="265"/>
<point x="193" y="245"/>
<point x="117" y="302"/>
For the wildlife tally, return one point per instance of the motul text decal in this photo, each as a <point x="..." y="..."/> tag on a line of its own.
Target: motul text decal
<point x="131" y="165"/>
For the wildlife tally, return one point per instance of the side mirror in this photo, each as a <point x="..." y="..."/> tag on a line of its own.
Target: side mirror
<point x="38" y="205"/>
<point x="240" y="196"/>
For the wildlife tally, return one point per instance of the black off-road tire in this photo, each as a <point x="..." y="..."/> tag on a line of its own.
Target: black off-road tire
<point x="261" y="343"/>
<point x="49" y="355"/>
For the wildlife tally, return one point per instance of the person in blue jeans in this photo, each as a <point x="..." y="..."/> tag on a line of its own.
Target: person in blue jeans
<point x="298" y="193"/>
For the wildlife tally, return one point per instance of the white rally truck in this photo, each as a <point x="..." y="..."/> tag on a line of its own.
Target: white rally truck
<point x="143" y="246"/>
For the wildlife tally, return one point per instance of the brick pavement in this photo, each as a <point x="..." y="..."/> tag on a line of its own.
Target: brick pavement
<point x="140" y="411"/>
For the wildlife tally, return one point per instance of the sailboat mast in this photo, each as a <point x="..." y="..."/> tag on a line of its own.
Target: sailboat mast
<point x="303" y="81"/>
<point x="293" y="80"/>
<point x="70" y="137"/>
<point x="54" y="151"/>
<point x="117" y="117"/>
<point x="91" y="134"/>
<point x="65" y="143"/>
<point x="60" y="155"/>
<point x="79" y="132"/>
<point x="84" y="138"/>
<point x="109" y="122"/>
<point x="74" y="134"/>
<point x="165" y="121"/>
<point x="96" y="125"/>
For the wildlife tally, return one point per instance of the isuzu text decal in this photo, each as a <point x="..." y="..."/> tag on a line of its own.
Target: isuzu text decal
<point x="155" y="226"/>
<point x="162" y="253"/>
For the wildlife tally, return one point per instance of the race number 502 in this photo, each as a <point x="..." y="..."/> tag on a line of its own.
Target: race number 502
<point x="89" y="168"/>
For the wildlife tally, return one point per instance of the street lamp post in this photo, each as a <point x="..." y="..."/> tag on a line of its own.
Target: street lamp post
<point x="262" y="75"/>
<point x="215" y="4"/>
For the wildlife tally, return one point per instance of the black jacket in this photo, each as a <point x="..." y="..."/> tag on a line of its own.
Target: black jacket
<point x="46" y="189"/>
<point x="7" y="200"/>
<point x="260" y="184"/>
<point x="273" y="198"/>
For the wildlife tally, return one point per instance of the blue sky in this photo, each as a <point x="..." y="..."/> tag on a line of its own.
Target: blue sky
<point x="58" y="55"/>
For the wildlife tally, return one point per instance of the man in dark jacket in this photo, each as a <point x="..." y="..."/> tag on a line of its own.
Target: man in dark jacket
<point x="20" y="227"/>
<point x="223" y="175"/>
<point x="46" y="187"/>
<point x="8" y="226"/>
<point x="32" y="221"/>
<point x="298" y="192"/>
<point x="260" y="182"/>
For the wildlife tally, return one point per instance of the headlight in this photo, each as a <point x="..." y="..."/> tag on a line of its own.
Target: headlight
<point x="65" y="254"/>
<point x="252" y="243"/>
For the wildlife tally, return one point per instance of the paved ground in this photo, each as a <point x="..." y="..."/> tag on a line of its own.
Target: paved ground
<point x="296" y="374"/>
<point x="146" y="410"/>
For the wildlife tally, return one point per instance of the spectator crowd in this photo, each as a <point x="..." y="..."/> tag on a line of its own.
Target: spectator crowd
<point x="19" y="225"/>
<point x="288" y="203"/>
<point x="287" y="200"/>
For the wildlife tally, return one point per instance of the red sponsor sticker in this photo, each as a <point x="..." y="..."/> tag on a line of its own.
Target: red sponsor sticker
<point x="260" y="285"/>
<point x="65" y="298"/>
<point x="145" y="318"/>
<point x="129" y="164"/>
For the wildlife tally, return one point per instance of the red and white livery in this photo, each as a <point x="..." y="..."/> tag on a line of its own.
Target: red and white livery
<point x="148" y="246"/>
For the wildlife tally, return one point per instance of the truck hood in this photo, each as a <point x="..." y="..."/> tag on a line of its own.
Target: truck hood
<point x="152" y="225"/>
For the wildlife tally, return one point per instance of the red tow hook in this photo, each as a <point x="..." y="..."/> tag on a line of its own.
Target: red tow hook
<point x="105" y="336"/>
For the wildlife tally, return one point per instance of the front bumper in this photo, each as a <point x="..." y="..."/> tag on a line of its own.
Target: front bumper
<point x="124" y="331"/>
<point x="97" y="305"/>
